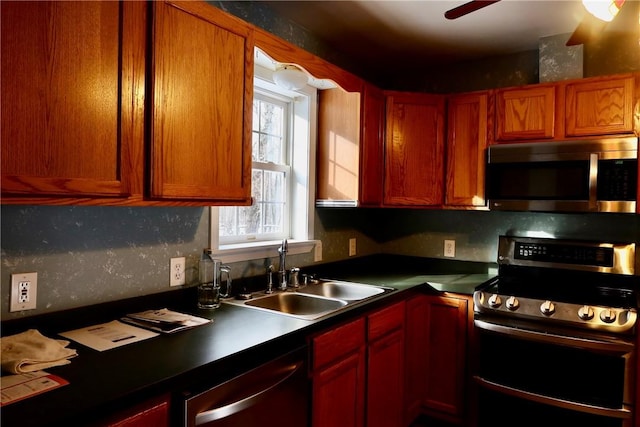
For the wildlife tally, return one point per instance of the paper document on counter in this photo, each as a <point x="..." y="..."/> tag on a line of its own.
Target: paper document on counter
<point x="108" y="335"/>
<point x="164" y="320"/>
<point x="18" y="387"/>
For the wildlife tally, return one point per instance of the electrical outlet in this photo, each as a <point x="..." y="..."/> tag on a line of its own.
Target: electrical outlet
<point x="450" y="248"/>
<point x="317" y="254"/>
<point x="352" y="246"/>
<point x="177" y="272"/>
<point x="24" y="291"/>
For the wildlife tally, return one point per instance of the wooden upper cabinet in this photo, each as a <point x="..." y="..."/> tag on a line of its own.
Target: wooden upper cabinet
<point x="600" y="106"/>
<point x="467" y="126"/>
<point x="350" y="147"/>
<point x="526" y="113"/>
<point x="72" y="98"/>
<point x="414" y="149"/>
<point x="338" y="154"/>
<point x="372" y="150"/>
<point x="202" y="90"/>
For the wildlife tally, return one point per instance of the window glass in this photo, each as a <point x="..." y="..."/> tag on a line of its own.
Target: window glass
<point x="267" y="218"/>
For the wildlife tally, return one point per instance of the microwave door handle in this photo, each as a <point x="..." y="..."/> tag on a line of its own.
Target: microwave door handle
<point x="593" y="182"/>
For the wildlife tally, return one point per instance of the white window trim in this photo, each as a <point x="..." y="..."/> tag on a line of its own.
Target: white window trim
<point x="302" y="193"/>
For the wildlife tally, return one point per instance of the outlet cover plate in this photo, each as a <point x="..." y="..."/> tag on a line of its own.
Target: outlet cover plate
<point x="450" y="248"/>
<point x="352" y="246"/>
<point x="24" y="291"/>
<point x="177" y="273"/>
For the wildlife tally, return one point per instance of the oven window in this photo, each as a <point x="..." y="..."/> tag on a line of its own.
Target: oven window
<point x="567" y="180"/>
<point x="557" y="371"/>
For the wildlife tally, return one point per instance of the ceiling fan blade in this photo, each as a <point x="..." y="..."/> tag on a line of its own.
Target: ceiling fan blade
<point x="468" y="7"/>
<point x="588" y="29"/>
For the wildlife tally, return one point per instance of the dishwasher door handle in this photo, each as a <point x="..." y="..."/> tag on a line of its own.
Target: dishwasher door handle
<point x="241" y="404"/>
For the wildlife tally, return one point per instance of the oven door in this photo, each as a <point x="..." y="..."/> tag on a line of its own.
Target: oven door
<point x="552" y="377"/>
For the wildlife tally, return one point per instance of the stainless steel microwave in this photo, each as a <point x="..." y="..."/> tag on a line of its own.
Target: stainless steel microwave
<point x="565" y="176"/>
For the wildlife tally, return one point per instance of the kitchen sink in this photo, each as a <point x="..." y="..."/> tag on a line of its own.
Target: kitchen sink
<point x="312" y="301"/>
<point x="341" y="290"/>
<point x="297" y="304"/>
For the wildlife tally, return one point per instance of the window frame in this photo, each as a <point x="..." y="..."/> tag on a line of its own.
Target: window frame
<point x="284" y="166"/>
<point x="302" y="181"/>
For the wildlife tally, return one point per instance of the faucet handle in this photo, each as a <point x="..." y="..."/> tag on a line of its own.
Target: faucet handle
<point x="293" y="277"/>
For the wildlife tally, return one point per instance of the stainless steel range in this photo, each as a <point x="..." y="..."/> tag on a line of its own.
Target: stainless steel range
<point x="555" y="333"/>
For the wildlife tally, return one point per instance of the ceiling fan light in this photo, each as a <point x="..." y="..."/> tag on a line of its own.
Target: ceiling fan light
<point x="290" y="77"/>
<point x="605" y="10"/>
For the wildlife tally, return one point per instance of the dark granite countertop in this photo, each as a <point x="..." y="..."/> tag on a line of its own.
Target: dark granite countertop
<point x="237" y="340"/>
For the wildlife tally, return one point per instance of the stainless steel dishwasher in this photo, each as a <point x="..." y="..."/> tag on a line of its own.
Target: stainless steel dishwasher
<point x="273" y="394"/>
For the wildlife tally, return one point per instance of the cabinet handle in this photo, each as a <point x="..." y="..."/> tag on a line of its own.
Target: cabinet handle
<point x="239" y="405"/>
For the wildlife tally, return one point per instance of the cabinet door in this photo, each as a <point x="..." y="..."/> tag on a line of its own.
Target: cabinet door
<point x="414" y="149"/>
<point x="416" y="348"/>
<point x="339" y="375"/>
<point x="445" y="359"/>
<point x="600" y="106"/>
<point x="72" y="98"/>
<point x="152" y="413"/>
<point x="466" y="144"/>
<point x="202" y="67"/>
<point x="526" y="113"/>
<point x="338" y="155"/>
<point x="385" y="381"/>
<point x="372" y="149"/>
<point x="338" y="393"/>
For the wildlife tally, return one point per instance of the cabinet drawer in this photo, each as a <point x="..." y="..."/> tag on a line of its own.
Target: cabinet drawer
<point x="385" y="320"/>
<point x="338" y="342"/>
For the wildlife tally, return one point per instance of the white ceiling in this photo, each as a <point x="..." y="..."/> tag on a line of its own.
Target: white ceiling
<point x="408" y="32"/>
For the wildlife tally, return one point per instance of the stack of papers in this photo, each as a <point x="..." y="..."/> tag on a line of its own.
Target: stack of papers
<point x="164" y="320"/>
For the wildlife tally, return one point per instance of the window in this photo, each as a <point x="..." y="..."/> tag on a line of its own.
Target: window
<point x="282" y="179"/>
<point x="268" y="217"/>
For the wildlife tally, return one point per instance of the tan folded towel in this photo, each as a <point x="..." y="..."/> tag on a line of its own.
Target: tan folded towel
<point x="31" y="351"/>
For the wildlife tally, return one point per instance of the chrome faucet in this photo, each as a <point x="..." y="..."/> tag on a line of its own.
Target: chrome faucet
<point x="282" y="274"/>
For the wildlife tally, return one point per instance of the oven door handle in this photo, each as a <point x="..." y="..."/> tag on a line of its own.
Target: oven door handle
<point x="624" y="412"/>
<point x="545" y="337"/>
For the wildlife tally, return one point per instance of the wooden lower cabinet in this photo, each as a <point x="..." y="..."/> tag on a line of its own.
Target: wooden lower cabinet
<point x="358" y="371"/>
<point x="151" y="413"/>
<point x="437" y="334"/>
<point x="385" y="367"/>
<point x="338" y="375"/>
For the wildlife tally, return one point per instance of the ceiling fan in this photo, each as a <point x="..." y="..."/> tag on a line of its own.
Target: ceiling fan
<point x="592" y="24"/>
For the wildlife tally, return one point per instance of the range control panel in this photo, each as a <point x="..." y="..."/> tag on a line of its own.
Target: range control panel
<point x="616" y="258"/>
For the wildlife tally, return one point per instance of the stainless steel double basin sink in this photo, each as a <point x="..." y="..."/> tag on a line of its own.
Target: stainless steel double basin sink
<point x="314" y="300"/>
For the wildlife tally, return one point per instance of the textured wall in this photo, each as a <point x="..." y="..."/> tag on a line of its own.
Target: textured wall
<point x="86" y="255"/>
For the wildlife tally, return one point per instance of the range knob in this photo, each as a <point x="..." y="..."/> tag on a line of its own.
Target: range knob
<point x="607" y="315"/>
<point x="547" y="308"/>
<point x="585" y="312"/>
<point x="495" y="301"/>
<point x="512" y="303"/>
